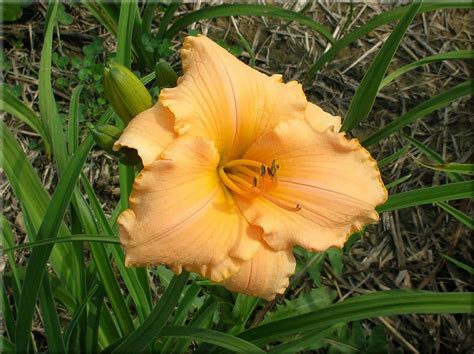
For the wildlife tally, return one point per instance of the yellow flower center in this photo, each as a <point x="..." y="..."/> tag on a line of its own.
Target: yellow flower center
<point x="249" y="178"/>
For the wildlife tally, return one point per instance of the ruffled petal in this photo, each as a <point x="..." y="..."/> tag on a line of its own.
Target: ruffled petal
<point x="334" y="181"/>
<point x="181" y="216"/>
<point x="226" y="101"/>
<point x="265" y="275"/>
<point x="320" y="120"/>
<point x="149" y="133"/>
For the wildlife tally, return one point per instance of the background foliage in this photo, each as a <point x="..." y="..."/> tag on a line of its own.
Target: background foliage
<point x="398" y="75"/>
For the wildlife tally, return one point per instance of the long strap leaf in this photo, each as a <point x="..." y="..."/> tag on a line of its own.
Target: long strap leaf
<point x="138" y="340"/>
<point x="422" y="110"/>
<point x="377" y="21"/>
<point x="428" y="195"/>
<point x="382" y="303"/>
<point x="249" y="10"/>
<point x="364" y="98"/>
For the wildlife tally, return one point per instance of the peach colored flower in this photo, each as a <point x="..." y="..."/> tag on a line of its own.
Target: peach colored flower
<point x="238" y="169"/>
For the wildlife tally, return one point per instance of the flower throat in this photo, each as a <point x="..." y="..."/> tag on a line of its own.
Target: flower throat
<point x="249" y="178"/>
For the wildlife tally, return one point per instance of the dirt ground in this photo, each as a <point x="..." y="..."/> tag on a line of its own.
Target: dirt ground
<point x="404" y="250"/>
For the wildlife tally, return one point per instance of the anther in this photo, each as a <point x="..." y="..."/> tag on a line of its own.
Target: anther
<point x="262" y="170"/>
<point x="255" y="181"/>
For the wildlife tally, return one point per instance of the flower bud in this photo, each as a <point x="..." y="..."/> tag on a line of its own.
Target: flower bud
<point x="165" y="76"/>
<point x="106" y="135"/>
<point x="125" y="92"/>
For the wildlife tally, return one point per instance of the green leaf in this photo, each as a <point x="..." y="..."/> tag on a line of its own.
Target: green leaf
<point x="461" y="168"/>
<point x="455" y="55"/>
<point x="167" y="17"/>
<point x="398" y="181"/>
<point x="139" y="339"/>
<point x="380" y="303"/>
<point x="306" y="302"/>
<point x="73" y="128"/>
<point x="247" y="10"/>
<point x="457" y="214"/>
<point x="433" y="156"/>
<point x="364" y="98"/>
<point x="392" y="158"/>
<point x="220" y="339"/>
<point x="459" y="264"/>
<point x="28" y="188"/>
<point x="48" y="229"/>
<point x="72" y="238"/>
<point x="124" y="34"/>
<point x="422" y="110"/>
<point x="49" y="114"/>
<point x="428" y="195"/>
<point x="12" y="105"/>
<point x="377" y="21"/>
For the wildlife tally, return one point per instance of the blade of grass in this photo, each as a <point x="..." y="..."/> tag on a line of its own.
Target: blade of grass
<point x="28" y="188"/>
<point x="77" y="315"/>
<point x="47" y="104"/>
<point x="461" y="265"/>
<point x="379" y="20"/>
<point x="73" y="128"/>
<point x="457" y="214"/>
<point x="72" y="238"/>
<point x="247" y="10"/>
<point x="220" y="339"/>
<point x="101" y="15"/>
<point x="200" y="319"/>
<point x="461" y="168"/>
<point x="167" y="17"/>
<point x="141" y="296"/>
<point x="433" y="156"/>
<point x="392" y="158"/>
<point x="398" y="181"/>
<point x="52" y="327"/>
<point x="454" y="55"/>
<point x="428" y="195"/>
<point x="381" y="303"/>
<point x="364" y="98"/>
<point x="12" y="105"/>
<point x="143" y="336"/>
<point x="422" y="110"/>
<point x="49" y="228"/>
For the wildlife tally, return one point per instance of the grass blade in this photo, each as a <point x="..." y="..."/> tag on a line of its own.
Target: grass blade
<point x="47" y="104"/>
<point x="28" y="188"/>
<point x="143" y="336"/>
<point x="428" y="195"/>
<point x="461" y="265"/>
<point x="12" y="105"/>
<point x="398" y="181"/>
<point x="364" y="98"/>
<point x="247" y="10"/>
<point x="73" y="128"/>
<point x="392" y="158"/>
<point x="125" y="30"/>
<point x="457" y="214"/>
<point x="220" y="339"/>
<point x="167" y="17"/>
<point x="381" y="303"/>
<point x="38" y="258"/>
<point x="72" y="238"/>
<point x="455" y="55"/>
<point x="422" y="110"/>
<point x="453" y="167"/>
<point x="377" y="21"/>
<point x="433" y="156"/>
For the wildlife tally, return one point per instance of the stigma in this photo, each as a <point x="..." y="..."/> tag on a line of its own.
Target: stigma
<point x="249" y="179"/>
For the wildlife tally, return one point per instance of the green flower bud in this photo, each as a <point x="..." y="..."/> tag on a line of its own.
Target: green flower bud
<point x="106" y="135"/>
<point x="165" y="76"/>
<point x="125" y="92"/>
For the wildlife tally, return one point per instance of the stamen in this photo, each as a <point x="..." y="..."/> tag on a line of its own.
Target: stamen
<point x="240" y="180"/>
<point x="231" y="185"/>
<point x="242" y="162"/>
<point x="262" y="170"/>
<point x="282" y="204"/>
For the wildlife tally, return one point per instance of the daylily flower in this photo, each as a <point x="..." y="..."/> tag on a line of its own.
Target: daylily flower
<point x="238" y="168"/>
